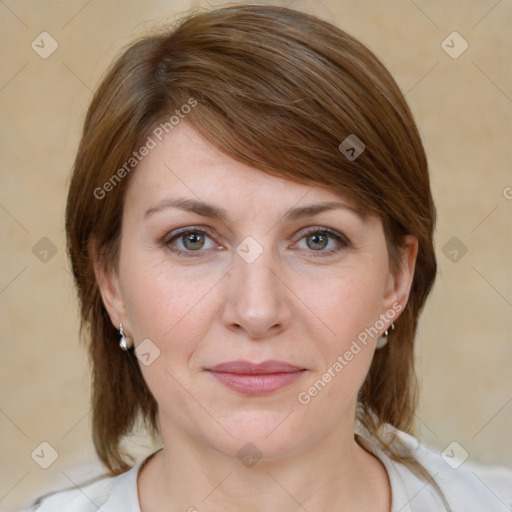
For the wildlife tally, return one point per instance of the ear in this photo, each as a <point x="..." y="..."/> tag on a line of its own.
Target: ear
<point x="399" y="282"/>
<point x="108" y="282"/>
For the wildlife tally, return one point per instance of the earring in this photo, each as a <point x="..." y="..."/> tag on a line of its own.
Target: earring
<point x="123" y="341"/>
<point x="391" y="328"/>
<point x="383" y="340"/>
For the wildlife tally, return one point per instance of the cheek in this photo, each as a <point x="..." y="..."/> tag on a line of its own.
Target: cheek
<point x="349" y="306"/>
<point x="165" y="304"/>
<point x="350" y="303"/>
<point x="174" y="311"/>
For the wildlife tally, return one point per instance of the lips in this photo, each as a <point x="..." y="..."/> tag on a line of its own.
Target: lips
<point x="256" y="379"/>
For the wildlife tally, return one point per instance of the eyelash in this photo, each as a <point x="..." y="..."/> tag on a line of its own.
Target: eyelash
<point x="340" y="239"/>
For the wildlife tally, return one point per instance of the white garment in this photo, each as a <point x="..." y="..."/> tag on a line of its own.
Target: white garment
<point x="469" y="488"/>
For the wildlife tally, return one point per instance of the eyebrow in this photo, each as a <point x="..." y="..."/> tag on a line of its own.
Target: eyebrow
<point x="216" y="212"/>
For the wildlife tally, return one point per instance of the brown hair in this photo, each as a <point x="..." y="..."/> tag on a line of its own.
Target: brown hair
<point x="279" y="90"/>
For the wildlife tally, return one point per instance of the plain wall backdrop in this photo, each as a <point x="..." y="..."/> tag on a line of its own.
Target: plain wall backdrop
<point x="462" y="101"/>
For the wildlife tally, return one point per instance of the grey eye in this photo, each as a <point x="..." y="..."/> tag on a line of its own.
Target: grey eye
<point x="193" y="241"/>
<point x="318" y="241"/>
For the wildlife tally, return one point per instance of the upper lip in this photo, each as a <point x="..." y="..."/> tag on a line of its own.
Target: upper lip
<point x="243" y="367"/>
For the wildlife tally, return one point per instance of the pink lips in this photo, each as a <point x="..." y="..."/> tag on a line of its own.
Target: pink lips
<point x="256" y="379"/>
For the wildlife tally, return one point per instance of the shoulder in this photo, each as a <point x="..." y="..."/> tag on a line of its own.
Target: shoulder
<point x="81" y="498"/>
<point x="104" y="493"/>
<point x="467" y="485"/>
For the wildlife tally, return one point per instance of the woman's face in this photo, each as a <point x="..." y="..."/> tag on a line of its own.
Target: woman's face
<point x="221" y="264"/>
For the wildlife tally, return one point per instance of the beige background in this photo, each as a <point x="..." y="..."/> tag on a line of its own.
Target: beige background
<point x="464" y="109"/>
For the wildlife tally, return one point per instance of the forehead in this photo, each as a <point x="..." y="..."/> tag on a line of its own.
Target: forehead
<point x="185" y="164"/>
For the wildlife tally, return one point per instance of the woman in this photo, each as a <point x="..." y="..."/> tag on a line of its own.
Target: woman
<point x="250" y="228"/>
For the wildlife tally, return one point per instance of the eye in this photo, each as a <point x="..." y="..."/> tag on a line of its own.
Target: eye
<point x="323" y="241"/>
<point x="187" y="241"/>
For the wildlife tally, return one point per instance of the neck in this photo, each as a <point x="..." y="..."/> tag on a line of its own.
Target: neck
<point x="333" y="474"/>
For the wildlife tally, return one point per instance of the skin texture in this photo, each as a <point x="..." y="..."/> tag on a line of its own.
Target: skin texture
<point x="295" y="302"/>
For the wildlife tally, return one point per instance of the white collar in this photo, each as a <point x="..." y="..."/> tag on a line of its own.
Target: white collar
<point x="124" y="492"/>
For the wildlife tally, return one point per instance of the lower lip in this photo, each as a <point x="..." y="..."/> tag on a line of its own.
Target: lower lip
<point x="257" y="384"/>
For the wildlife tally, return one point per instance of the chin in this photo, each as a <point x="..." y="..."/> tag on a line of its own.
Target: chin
<point x="259" y="434"/>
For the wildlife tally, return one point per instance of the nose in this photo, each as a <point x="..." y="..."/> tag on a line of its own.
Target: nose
<point x="257" y="301"/>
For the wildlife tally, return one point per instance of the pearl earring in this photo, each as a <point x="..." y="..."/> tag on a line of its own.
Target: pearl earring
<point x="391" y="328"/>
<point x="383" y="340"/>
<point x="123" y="341"/>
